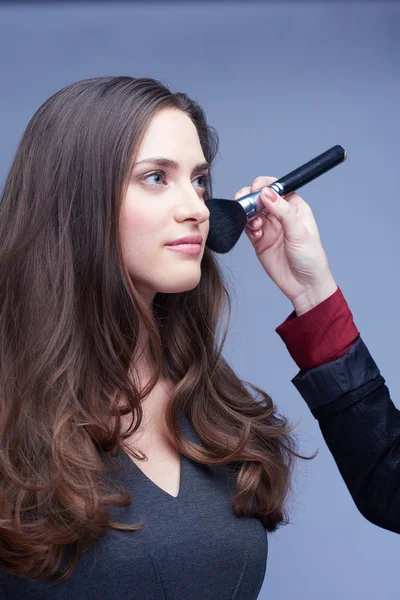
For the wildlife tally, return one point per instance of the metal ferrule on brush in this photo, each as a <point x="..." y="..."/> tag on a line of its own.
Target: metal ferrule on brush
<point x="252" y="204"/>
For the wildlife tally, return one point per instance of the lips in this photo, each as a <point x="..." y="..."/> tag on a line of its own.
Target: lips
<point x="190" y="239"/>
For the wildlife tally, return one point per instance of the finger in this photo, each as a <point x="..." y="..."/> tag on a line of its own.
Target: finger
<point x="285" y="212"/>
<point x="242" y="192"/>
<point x="269" y="231"/>
<point x="256" y="223"/>
<point x="262" y="181"/>
<point x="253" y="235"/>
<point x="304" y="212"/>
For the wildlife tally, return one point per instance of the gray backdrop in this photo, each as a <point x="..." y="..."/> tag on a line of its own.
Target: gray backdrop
<point x="281" y="82"/>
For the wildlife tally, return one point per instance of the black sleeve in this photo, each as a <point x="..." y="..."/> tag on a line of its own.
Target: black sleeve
<point x="361" y="427"/>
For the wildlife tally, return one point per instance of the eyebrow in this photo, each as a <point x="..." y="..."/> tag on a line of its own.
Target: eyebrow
<point x="168" y="163"/>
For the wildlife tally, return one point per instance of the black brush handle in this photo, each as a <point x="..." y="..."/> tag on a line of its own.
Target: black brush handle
<point x="309" y="171"/>
<point x="252" y="203"/>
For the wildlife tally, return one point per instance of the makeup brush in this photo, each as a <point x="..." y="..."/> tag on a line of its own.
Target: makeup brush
<point x="228" y="218"/>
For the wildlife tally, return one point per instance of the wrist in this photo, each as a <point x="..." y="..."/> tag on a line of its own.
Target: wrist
<point x="314" y="295"/>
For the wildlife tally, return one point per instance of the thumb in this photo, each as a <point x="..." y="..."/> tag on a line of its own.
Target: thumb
<point x="286" y="214"/>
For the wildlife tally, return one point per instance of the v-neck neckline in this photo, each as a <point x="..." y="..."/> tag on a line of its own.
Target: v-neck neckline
<point x="152" y="483"/>
<point x="188" y="431"/>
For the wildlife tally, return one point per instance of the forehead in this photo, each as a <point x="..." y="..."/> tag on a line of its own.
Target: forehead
<point x="172" y="134"/>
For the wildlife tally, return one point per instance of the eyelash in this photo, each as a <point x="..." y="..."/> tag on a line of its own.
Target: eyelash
<point x="166" y="174"/>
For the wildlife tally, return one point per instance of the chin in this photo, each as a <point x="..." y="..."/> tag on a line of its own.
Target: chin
<point x="179" y="285"/>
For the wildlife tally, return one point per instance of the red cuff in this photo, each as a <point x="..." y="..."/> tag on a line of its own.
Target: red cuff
<point x="324" y="333"/>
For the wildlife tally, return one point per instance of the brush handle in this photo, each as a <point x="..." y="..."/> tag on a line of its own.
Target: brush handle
<point x="294" y="180"/>
<point x="309" y="171"/>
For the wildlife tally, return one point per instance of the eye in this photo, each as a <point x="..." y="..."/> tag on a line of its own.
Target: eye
<point x="158" y="176"/>
<point x="204" y="181"/>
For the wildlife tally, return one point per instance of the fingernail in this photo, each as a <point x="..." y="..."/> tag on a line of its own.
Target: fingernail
<point x="270" y="194"/>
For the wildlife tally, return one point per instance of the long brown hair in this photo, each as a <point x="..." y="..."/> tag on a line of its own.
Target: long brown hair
<point x="69" y="318"/>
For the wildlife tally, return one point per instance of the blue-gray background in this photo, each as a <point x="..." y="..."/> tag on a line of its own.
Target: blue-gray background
<point x="281" y="82"/>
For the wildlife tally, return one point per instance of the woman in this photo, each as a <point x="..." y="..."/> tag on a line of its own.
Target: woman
<point x="110" y="352"/>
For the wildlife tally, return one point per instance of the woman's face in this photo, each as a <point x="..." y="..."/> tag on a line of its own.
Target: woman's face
<point x="165" y="202"/>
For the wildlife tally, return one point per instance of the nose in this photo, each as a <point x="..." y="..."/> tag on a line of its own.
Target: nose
<point x="191" y="206"/>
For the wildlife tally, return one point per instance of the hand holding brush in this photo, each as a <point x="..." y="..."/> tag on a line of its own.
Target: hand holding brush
<point x="284" y="233"/>
<point x="287" y="244"/>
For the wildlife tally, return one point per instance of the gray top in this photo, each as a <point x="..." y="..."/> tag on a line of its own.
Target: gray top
<point x="193" y="547"/>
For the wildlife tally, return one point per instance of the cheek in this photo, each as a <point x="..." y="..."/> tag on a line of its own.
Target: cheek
<point x="139" y="221"/>
<point x="142" y="232"/>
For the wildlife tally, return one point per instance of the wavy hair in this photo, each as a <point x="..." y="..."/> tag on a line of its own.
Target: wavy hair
<point x="69" y="321"/>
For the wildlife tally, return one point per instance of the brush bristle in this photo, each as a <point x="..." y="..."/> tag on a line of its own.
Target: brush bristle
<point x="227" y="221"/>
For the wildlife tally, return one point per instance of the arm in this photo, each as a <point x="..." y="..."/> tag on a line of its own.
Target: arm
<point x="346" y="393"/>
<point x="341" y="383"/>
